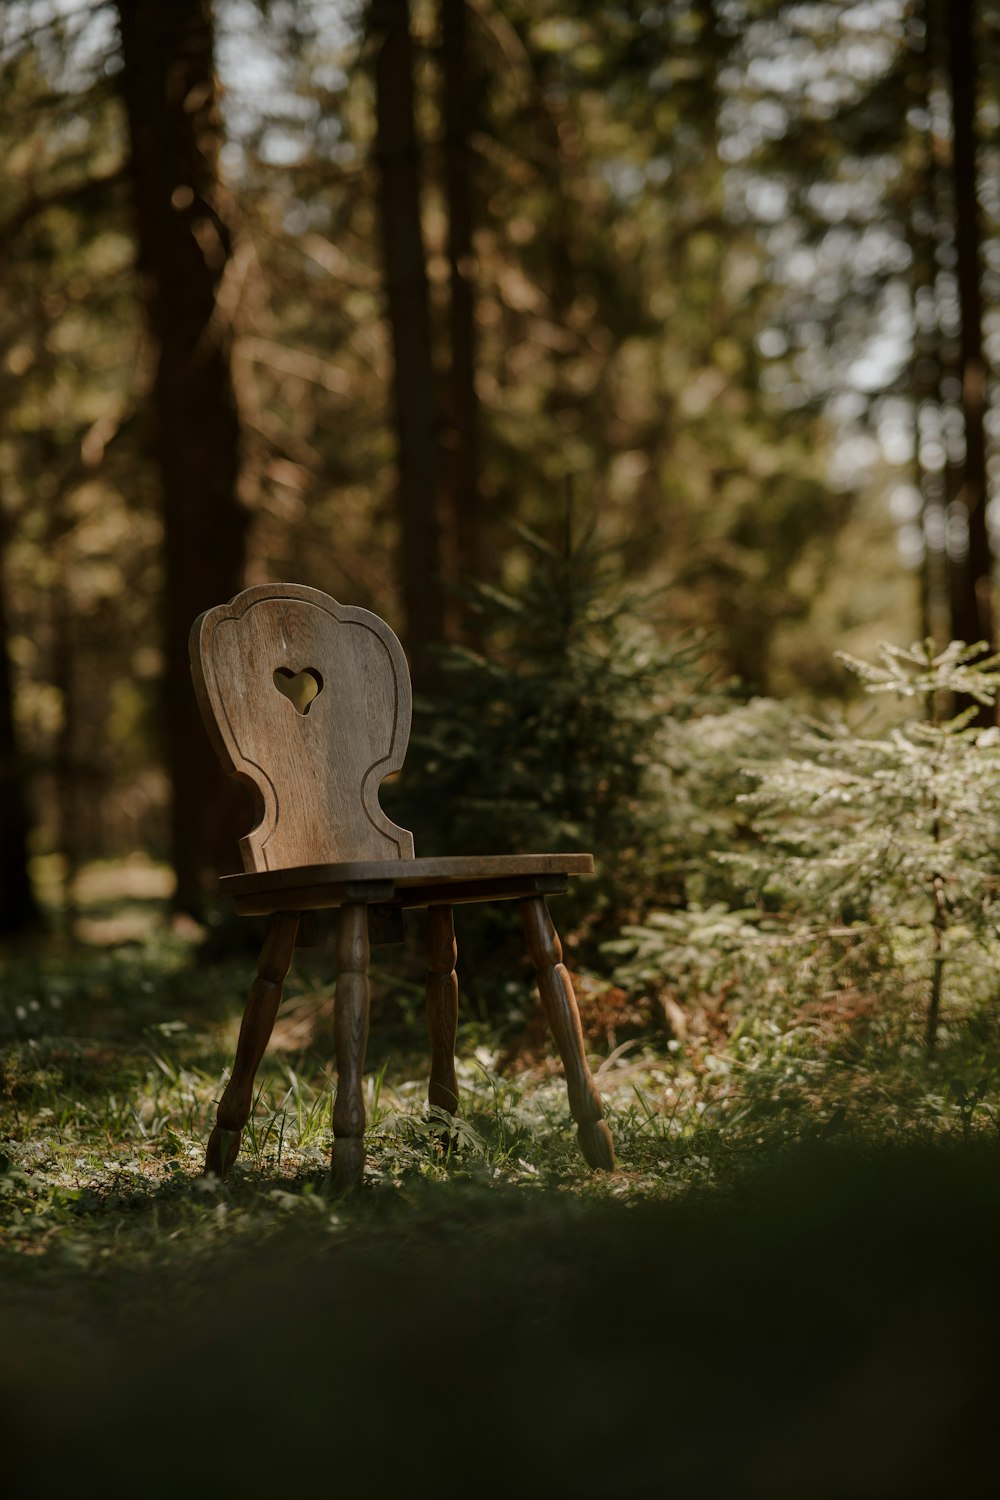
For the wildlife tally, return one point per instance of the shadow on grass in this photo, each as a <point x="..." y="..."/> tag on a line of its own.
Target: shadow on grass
<point x="829" y="1328"/>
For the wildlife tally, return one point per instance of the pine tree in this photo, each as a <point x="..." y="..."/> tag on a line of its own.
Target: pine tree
<point x="563" y="732"/>
<point x="898" y="829"/>
<point x="186" y="247"/>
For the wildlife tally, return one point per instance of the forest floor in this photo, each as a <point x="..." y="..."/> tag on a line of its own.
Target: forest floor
<point x="787" y="1287"/>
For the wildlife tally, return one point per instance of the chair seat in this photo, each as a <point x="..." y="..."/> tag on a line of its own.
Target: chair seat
<point x="449" y="879"/>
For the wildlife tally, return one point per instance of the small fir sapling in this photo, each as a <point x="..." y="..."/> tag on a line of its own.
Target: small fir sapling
<point x="899" y="829"/>
<point x="563" y="731"/>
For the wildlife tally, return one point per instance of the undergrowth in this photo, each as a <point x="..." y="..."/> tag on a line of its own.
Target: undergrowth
<point x="796" y="1175"/>
<point x="113" y="1063"/>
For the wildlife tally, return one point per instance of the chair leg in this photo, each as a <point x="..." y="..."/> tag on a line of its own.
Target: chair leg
<point x="556" y="990"/>
<point x="442" y="1007"/>
<point x="255" y="1033"/>
<point x="351" y="1035"/>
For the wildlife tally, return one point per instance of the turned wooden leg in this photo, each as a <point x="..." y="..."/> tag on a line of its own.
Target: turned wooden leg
<point x="255" y="1032"/>
<point x="442" y="1007"/>
<point x="556" y="990"/>
<point x="351" y="1035"/>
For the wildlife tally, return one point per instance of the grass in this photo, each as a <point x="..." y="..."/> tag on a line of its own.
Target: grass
<point x="786" y="1288"/>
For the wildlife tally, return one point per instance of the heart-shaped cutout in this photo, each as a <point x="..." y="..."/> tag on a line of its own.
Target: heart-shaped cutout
<point x="300" y="688"/>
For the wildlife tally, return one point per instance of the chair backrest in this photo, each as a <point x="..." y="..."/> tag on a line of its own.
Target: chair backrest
<point x="309" y="702"/>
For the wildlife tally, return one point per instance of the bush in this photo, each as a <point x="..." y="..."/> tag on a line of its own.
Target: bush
<point x="565" y="732"/>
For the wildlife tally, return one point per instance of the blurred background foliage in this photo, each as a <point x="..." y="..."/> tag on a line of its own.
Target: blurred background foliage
<point x="625" y="358"/>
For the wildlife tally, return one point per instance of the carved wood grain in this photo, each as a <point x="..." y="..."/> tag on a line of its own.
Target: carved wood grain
<point x="442" y="1007"/>
<point x="404" y="872"/>
<point x="559" y="1002"/>
<point x="315" y="897"/>
<point x="463" y="892"/>
<point x="315" y="774"/>
<point x="311" y="898"/>
<point x="351" y="1036"/>
<point x="255" y="1032"/>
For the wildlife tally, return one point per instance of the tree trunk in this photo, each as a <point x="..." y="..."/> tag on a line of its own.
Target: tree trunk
<point x="405" y="279"/>
<point x="462" y="433"/>
<point x="19" y="911"/>
<point x="64" y="674"/>
<point x="925" y="219"/>
<point x="973" y="613"/>
<point x="185" y="251"/>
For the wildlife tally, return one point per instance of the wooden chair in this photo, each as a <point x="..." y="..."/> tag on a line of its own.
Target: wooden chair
<point x="308" y="701"/>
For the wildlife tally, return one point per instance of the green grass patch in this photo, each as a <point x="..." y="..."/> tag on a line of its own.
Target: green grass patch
<point x="786" y="1288"/>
